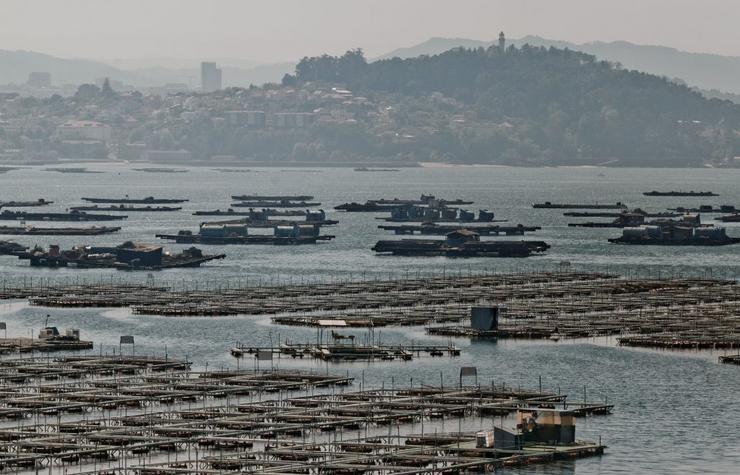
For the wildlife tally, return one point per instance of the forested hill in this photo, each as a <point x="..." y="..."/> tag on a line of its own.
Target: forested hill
<point x="533" y="105"/>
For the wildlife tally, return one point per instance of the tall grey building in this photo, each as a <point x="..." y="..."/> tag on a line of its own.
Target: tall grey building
<point x="210" y="77"/>
<point x="39" y="79"/>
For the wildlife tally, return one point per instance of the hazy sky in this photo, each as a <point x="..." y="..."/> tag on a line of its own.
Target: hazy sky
<point x="276" y="30"/>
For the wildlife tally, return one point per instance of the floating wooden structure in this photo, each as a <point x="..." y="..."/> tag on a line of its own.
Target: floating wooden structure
<point x="314" y="219"/>
<point x="290" y="233"/>
<point x="366" y="169"/>
<point x="31" y="345"/>
<point x="675" y="234"/>
<point x="272" y="197"/>
<point x="612" y="214"/>
<point x="188" y="237"/>
<point x="347" y="351"/>
<point x="383" y="205"/>
<point x="25" y="204"/>
<point x="160" y="170"/>
<point x="435" y="298"/>
<point x="156" y="416"/>
<point x="37" y="231"/>
<point x="275" y="204"/>
<point x="267" y="212"/>
<point x="133" y="201"/>
<point x="71" y="170"/>
<point x="730" y="359"/>
<point x="680" y="193"/>
<point x="538" y="305"/>
<point x="460" y="243"/>
<point x="706" y="209"/>
<point x="124" y="208"/>
<point x="444" y="229"/>
<point x="74" y="216"/>
<point x="10" y="248"/>
<point x="549" y="205"/>
<point x="682" y="341"/>
<point x="423" y="200"/>
<point x="127" y="256"/>
<point x="732" y="218"/>
<point x="633" y="220"/>
<point x="677" y="314"/>
<point x="367" y="207"/>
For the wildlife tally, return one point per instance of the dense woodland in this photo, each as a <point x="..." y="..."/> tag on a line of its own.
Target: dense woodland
<point x="534" y="105"/>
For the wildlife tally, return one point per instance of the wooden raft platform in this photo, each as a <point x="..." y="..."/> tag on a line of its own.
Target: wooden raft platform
<point x="28" y="345"/>
<point x="104" y="413"/>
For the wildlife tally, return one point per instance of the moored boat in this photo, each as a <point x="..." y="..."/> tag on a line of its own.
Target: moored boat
<point x="675" y="235"/>
<point x="237" y="233"/>
<point x="127" y="256"/>
<point x="124" y="208"/>
<point x="127" y="200"/>
<point x="71" y="216"/>
<point x="680" y="193"/>
<point x="549" y="205"/>
<point x="460" y="243"/>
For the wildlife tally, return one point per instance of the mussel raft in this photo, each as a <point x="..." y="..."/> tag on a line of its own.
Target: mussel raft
<point x="127" y="256"/>
<point x="460" y="243"/>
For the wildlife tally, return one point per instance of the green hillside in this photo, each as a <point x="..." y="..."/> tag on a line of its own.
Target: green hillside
<point x="533" y="105"/>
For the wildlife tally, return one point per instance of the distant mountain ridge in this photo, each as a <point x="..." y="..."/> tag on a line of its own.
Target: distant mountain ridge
<point x="16" y="65"/>
<point x="703" y="70"/>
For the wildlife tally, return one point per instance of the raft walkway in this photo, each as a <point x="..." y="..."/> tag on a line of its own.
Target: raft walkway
<point x="670" y="313"/>
<point x="137" y="414"/>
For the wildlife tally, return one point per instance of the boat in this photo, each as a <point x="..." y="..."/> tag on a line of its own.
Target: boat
<point x="10" y="248"/>
<point x="258" y="219"/>
<point x="675" y="235"/>
<point x="706" y="209"/>
<point x="732" y="218"/>
<point x="443" y="229"/>
<point x="617" y="214"/>
<point x="227" y="233"/>
<point x="251" y="211"/>
<point x="275" y="204"/>
<point x="127" y="256"/>
<point x="421" y="214"/>
<point x="124" y="208"/>
<point x="160" y="170"/>
<point x="366" y="169"/>
<point x="631" y="220"/>
<point x="71" y="170"/>
<point x="367" y="207"/>
<point x="50" y="339"/>
<point x="148" y="200"/>
<point x="271" y="223"/>
<point x="272" y="197"/>
<point x="429" y="200"/>
<point x="25" y="204"/>
<point x="71" y="216"/>
<point x="34" y="231"/>
<point x="549" y="205"/>
<point x="680" y="193"/>
<point x="381" y="205"/>
<point x="460" y="243"/>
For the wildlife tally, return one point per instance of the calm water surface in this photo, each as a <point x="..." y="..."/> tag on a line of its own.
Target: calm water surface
<point x="675" y="411"/>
